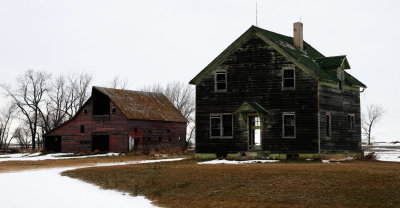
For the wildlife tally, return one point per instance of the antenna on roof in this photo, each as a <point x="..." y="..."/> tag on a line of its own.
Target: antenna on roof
<point x="256" y="15"/>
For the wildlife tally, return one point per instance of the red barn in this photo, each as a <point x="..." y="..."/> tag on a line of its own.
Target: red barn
<point x="120" y="121"/>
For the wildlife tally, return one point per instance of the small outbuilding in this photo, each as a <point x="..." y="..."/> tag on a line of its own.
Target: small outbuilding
<point x="118" y="120"/>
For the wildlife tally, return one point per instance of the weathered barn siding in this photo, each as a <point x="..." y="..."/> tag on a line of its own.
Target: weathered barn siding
<point x="254" y="74"/>
<point x="339" y="104"/>
<point x="155" y="133"/>
<point x="114" y="125"/>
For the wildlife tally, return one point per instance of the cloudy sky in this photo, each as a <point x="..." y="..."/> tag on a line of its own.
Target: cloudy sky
<point x="160" y="41"/>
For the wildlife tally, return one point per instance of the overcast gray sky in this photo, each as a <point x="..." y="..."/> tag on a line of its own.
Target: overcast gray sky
<point x="160" y="41"/>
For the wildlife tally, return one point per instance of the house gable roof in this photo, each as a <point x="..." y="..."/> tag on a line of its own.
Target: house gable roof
<point x="333" y="62"/>
<point x="304" y="59"/>
<point x="143" y="105"/>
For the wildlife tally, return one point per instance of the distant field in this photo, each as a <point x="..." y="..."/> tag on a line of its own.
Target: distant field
<point x="292" y="184"/>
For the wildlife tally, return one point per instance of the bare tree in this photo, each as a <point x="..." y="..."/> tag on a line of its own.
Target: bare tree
<point x="78" y="91"/>
<point x="6" y="120"/>
<point x="118" y="83"/>
<point x="370" y="118"/>
<point x="21" y="136"/>
<point x="182" y="96"/>
<point x="28" y="97"/>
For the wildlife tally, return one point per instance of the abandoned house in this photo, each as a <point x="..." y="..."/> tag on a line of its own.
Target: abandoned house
<point x="120" y="121"/>
<point x="277" y="94"/>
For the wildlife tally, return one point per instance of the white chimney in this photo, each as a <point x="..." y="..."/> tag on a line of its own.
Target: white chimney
<point x="298" y="35"/>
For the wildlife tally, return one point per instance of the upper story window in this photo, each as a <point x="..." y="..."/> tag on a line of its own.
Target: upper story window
<point x="220" y="81"/>
<point x="221" y="125"/>
<point x="288" y="78"/>
<point x="289" y="125"/>
<point x="351" y="122"/>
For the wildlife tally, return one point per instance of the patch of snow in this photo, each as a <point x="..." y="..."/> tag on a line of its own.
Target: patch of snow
<point x="235" y="161"/>
<point x="29" y="188"/>
<point x="55" y="156"/>
<point x="326" y="161"/>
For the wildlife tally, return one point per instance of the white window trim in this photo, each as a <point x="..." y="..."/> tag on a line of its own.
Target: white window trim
<point x="354" y="123"/>
<point x="222" y="128"/>
<point x="283" y="77"/>
<point x="215" y="81"/>
<point x="283" y="125"/>
<point x="330" y="126"/>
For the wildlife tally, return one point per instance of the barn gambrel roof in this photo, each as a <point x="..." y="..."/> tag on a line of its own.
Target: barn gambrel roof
<point x="309" y="59"/>
<point x="143" y="105"/>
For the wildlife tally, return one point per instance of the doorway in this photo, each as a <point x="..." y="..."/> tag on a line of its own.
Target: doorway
<point x="101" y="143"/>
<point x="254" y="132"/>
<point x="53" y="143"/>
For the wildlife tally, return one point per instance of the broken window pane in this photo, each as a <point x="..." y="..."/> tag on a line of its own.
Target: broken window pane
<point x="220" y="81"/>
<point x="215" y="126"/>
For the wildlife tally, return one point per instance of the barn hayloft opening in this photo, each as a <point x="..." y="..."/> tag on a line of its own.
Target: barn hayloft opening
<point x="101" y="143"/>
<point x="101" y="103"/>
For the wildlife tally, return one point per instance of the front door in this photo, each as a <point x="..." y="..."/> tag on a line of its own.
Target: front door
<point x="254" y="132"/>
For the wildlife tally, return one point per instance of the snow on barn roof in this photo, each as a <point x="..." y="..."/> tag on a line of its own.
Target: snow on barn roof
<point x="143" y="105"/>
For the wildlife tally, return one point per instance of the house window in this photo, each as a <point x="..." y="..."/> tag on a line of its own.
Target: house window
<point x="221" y="125"/>
<point x="288" y="78"/>
<point x="328" y="125"/>
<point x="220" y="82"/>
<point x="351" y="122"/>
<point x="289" y="125"/>
<point x="82" y="129"/>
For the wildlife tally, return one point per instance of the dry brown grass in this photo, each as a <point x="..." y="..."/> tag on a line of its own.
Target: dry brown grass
<point x="187" y="184"/>
<point x="10" y="166"/>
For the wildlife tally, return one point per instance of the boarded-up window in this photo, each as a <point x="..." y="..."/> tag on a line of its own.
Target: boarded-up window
<point x="288" y="78"/>
<point x="220" y="81"/>
<point x="351" y="122"/>
<point x="289" y="125"/>
<point x="221" y="125"/>
<point x="328" y="125"/>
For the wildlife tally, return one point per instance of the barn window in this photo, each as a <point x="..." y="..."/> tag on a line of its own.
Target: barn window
<point x="169" y="139"/>
<point x="159" y="139"/>
<point x="288" y="78"/>
<point x="221" y="125"/>
<point x="167" y="131"/>
<point x="114" y="109"/>
<point x="289" y="125"/>
<point x="135" y="130"/>
<point x="85" y="111"/>
<point x="351" y="122"/>
<point x="82" y="129"/>
<point x="220" y="82"/>
<point x="328" y="125"/>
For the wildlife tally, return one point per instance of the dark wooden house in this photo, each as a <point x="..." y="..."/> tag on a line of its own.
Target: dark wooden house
<point x="277" y="94"/>
<point x="120" y="121"/>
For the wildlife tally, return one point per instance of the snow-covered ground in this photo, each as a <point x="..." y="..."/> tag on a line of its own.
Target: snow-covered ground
<point x="46" y="188"/>
<point x="385" y="151"/>
<point x="236" y="161"/>
<point x="56" y="156"/>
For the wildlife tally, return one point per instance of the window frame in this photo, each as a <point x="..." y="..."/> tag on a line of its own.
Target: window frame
<point x="283" y="124"/>
<point x="328" y="128"/>
<point x="286" y="68"/>
<point x="351" y="122"/>
<point x="221" y="129"/>
<point x="216" y="81"/>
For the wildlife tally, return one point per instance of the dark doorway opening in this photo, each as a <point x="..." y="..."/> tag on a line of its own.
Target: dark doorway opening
<point x="101" y="103"/>
<point x="101" y="143"/>
<point x="52" y="143"/>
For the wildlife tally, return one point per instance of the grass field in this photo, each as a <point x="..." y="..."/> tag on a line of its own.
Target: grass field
<point x="11" y="166"/>
<point x="291" y="184"/>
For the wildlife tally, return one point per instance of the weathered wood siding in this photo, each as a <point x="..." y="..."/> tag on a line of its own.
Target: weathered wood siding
<point x="339" y="104"/>
<point x="119" y="128"/>
<point x="254" y="74"/>
<point x="115" y="125"/>
<point x="151" y="134"/>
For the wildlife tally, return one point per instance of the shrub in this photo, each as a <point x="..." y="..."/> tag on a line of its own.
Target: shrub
<point x="363" y="156"/>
